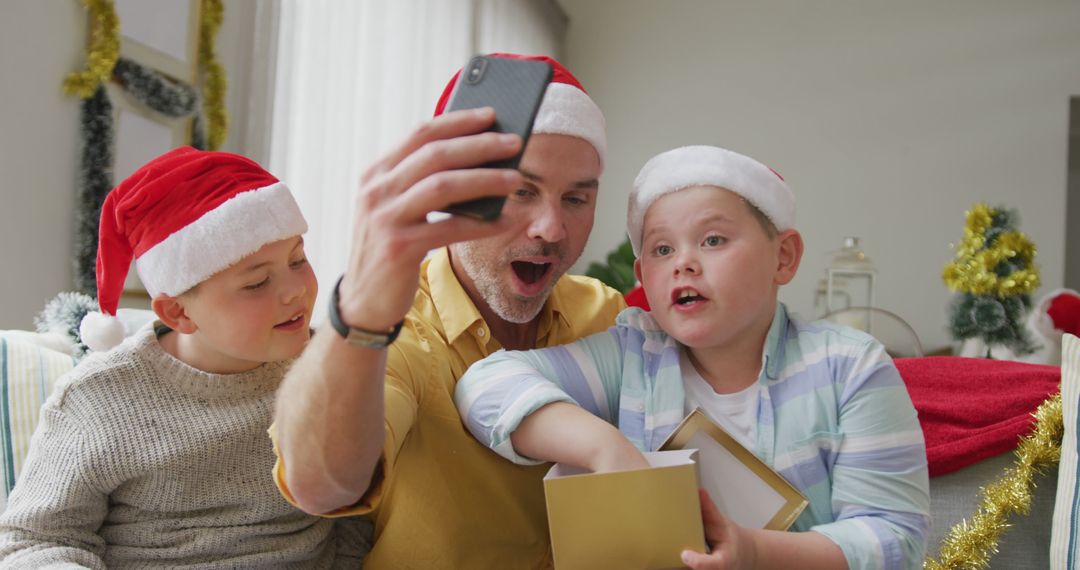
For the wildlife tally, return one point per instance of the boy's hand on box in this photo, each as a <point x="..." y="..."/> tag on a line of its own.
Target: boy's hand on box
<point x="731" y="546"/>
<point x="564" y="432"/>
<point x="619" y="455"/>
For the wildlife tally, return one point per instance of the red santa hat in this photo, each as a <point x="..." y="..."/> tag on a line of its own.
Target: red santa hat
<point x="183" y="217"/>
<point x="1056" y="314"/>
<point x="566" y="108"/>
<point x="690" y="166"/>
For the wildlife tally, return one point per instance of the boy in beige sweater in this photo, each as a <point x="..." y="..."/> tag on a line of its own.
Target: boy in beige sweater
<point x="155" y="452"/>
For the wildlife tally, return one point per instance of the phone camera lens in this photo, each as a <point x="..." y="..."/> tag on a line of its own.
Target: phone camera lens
<point x="475" y="71"/>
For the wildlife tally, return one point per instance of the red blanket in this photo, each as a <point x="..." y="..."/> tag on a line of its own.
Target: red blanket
<point x="974" y="408"/>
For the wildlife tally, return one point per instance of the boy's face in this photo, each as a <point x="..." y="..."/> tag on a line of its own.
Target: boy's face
<point x="709" y="269"/>
<point x="513" y="273"/>
<point x="256" y="311"/>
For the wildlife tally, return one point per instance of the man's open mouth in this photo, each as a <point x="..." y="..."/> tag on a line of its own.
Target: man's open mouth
<point x="529" y="272"/>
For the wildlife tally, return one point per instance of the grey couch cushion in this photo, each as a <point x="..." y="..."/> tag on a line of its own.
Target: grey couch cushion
<point x="955" y="497"/>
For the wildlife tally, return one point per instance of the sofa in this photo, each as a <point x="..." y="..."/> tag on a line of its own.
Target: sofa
<point x="973" y="412"/>
<point x="969" y="436"/>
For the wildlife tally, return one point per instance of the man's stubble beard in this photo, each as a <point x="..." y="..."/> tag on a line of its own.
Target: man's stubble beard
<point x="485" y="277"/>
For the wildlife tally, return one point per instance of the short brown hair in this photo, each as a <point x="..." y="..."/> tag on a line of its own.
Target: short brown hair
<point x="763" y="220"/>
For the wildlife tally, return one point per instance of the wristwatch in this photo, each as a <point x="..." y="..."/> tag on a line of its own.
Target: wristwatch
<point x="355" y="336"/>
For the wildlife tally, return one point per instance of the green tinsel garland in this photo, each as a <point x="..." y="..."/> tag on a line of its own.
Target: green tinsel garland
<point x="163" y="94"/>
<point x="95" y="181"/>
<point x="156" y="91"/>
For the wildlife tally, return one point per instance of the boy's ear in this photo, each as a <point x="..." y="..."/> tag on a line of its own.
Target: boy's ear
<point x="637" y="270"/>
<point x="789" y="255"/>
<point x="171" y="312"/>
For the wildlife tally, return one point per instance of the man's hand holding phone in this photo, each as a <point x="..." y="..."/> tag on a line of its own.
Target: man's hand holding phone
<point x="463" y="161"/>
<point x="515" y="89"/>
<point x="439" y="164"/>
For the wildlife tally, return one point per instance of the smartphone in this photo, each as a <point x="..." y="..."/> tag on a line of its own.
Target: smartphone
<point x="514" y="88"/>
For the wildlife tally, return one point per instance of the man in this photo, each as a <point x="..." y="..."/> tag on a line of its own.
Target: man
<point x="365" y="428"/>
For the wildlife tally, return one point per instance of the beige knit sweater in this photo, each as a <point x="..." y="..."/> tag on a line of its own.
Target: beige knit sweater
<point x="141" y="460"/>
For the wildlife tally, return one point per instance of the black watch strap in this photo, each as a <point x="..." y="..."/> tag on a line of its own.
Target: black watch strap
<point x="355" y="336"/>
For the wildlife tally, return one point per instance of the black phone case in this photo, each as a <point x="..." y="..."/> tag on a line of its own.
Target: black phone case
<point x="514" y="88"/>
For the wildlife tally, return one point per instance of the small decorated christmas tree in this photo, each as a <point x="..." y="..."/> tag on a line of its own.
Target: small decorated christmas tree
<point x="994" y="274"/>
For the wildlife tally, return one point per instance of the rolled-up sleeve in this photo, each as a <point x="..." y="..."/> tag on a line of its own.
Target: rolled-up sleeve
<point x="497" y="393"/>
<point x="401" y="409"/>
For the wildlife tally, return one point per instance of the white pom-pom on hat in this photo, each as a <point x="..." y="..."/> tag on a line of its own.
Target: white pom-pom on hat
<point x="100" y="332"/>
<point x="703" y="165"/>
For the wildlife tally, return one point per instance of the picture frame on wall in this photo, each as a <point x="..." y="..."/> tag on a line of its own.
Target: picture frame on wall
<point x="161" y="34"/>
<point x="140" y="134"/>
<point x="148" y="106"/>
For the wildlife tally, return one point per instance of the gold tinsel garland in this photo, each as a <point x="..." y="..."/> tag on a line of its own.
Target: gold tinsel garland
<point x="970" y="544"/>
<point x="104" y="50"/>
<point x="973" y="270"/>
<point x="978" y="221"/>
<point x="217" y="118"/>
<point x="102" y="53"/>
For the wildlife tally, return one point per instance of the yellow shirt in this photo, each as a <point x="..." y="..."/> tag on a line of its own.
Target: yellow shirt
<point x="445" y="501"/>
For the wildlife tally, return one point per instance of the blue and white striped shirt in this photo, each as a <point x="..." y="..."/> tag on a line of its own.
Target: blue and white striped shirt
<point x="834" y="418"/>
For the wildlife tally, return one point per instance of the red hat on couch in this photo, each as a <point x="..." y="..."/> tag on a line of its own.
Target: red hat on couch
<point x="182" y="217"/>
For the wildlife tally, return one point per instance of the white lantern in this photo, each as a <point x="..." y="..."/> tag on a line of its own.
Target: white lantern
<point x="849" y="284"/>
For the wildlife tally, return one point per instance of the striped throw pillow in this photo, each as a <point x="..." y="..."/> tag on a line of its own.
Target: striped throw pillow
<point x="28" y="372"/>
<point x="1065" y="532"/>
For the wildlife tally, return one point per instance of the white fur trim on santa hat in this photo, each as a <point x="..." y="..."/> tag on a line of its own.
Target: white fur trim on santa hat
<point x="1039" y="321"/>
<point x="567" y="110"/>
<point x="220" y="238"/>
<point x="690" y="166"/>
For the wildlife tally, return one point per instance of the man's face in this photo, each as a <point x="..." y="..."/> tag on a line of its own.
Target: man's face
<point x="514" y="273"/>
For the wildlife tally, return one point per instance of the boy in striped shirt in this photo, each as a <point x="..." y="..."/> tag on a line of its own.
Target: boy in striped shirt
<point x="822" y="404"/>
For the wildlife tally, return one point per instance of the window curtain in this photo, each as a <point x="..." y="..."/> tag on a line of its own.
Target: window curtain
<point x="351" y="79"/>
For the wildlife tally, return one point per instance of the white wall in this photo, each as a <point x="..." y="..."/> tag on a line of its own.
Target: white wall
<point x="888" y="121"/>
<point x="40" y="42"/>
